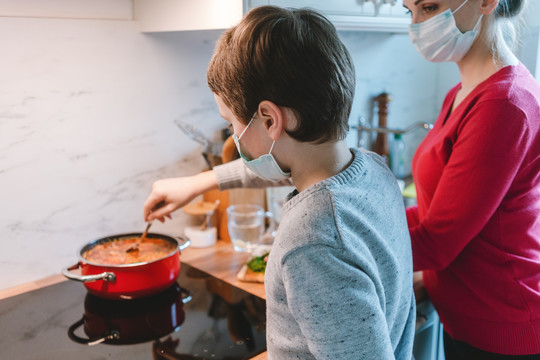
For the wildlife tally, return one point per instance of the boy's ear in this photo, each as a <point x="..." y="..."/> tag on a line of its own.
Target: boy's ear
<point x="275" y="118"/>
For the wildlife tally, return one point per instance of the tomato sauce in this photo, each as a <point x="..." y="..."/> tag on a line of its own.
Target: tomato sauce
<point x="115" y="252"/>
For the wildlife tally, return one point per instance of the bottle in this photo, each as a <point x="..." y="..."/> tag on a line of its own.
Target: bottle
<point x="397" y="156"/>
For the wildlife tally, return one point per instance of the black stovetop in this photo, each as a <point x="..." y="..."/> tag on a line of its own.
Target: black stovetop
<point x="217" y="321"/>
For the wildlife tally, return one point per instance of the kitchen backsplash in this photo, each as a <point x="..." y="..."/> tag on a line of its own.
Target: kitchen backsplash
<point x="87" y="111"/>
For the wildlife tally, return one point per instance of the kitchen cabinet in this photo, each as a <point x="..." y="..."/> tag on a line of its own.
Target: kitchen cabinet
<point x="185" y="15"/>
<point x="428" y="338"/>
<point x="529" y="44"/>
<point x="354" y="14"/>
<point x="68" y="9"/>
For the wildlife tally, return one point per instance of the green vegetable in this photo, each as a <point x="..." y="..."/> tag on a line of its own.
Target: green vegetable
<point x="258" y="263"/>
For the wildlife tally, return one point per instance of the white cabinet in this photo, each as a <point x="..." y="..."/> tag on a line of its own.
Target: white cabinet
<point x="68" y="9"/>
<point x="529" y="51"/>
<point x="182" y="15"/>
<point x="367" y="15"/>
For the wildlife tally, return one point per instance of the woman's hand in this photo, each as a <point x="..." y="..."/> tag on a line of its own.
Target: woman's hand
<point x="420" y="292"/>
<point x="170" y="194"/>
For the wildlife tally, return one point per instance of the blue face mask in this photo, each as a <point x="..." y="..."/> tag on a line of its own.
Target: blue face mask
<point x="264" y="166"/>
<point x="439" y="39"/>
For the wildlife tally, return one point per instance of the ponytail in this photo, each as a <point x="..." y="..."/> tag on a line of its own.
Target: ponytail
<point x="509" y="8"/>
<point x="504" y="25"/>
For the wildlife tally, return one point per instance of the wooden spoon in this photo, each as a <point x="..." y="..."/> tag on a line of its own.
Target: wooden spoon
<point x="135" y="247"/>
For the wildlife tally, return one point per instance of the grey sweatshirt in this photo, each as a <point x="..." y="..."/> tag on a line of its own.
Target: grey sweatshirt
<point x="339" y="275"/>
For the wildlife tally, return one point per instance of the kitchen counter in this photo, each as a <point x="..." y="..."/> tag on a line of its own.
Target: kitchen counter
<point x="222" y="262"/>
<point x="219" y="261"/>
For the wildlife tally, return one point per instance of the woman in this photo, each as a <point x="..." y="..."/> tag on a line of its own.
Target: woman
<point x="476" y="230"/>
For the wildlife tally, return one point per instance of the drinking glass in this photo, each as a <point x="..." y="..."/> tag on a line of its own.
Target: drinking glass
<point x="246" y="226"/>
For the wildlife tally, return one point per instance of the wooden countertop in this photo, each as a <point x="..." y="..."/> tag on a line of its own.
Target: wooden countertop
<point x="220" y="261"/>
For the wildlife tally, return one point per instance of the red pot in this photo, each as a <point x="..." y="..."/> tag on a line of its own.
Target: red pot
<point x="130" y="280"/>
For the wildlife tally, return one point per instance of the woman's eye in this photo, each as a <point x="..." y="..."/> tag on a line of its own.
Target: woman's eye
<point x="428" y="9"/>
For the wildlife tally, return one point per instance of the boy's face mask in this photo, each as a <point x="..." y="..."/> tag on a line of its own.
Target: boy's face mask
<point x="265" y="166"/>
<point x="438" y="39"/>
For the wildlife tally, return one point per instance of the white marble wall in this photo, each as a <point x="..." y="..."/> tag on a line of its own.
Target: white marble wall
<point x="86" y="126"/>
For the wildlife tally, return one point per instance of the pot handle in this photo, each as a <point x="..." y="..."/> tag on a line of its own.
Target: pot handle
<point x="106" y="276"/>
<point x="186" y="295"/>
<point x="111" y="335"/>
<point x="185" y="242"/>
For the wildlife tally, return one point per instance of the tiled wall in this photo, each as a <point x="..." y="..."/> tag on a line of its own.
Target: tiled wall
<point x="86" y="126"/>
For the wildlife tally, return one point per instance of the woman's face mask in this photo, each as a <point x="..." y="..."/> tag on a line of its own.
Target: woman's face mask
<point x="265" y="166"/>
<point x="438" y="39"/>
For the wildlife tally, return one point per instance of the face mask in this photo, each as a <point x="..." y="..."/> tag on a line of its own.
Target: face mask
<point x="264" y="166"/>
<point x="438" y="39"/>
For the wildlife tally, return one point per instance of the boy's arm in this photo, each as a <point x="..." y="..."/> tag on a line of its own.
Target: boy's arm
<point x="235" y="175"/>
<point x="336" y="306"/>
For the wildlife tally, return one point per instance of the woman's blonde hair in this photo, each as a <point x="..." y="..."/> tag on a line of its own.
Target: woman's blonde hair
<point x="504" y="26"/>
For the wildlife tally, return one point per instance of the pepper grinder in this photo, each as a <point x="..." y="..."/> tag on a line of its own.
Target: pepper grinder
<point x="203" y="235"/>
<point x="381" y="142"/>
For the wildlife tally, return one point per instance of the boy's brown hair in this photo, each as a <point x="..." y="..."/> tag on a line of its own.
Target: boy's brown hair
<point x="292" y="57"/>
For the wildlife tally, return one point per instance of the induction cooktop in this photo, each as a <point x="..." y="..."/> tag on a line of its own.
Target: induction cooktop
<point x="199" y="317"/>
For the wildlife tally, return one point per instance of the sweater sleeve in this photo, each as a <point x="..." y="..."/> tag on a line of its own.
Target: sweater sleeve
<point x="412" y="216"/>
<point x="485" y="157"/>
<point x="336" y="306"/>
<point x="236" y="175"/>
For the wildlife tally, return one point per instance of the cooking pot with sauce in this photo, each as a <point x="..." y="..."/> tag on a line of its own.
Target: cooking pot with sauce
<point x="128" y="278"/>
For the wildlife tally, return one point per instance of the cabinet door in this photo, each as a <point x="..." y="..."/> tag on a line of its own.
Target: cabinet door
<point x="352" y="14"/>
<point x="69" y="9"/>
<point x="181" y="15"/>
<point x="185" y="15"/>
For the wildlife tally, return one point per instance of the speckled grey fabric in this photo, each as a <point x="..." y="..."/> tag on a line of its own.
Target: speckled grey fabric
<point x="235" y="175"/>
<point x="339" y="276"/>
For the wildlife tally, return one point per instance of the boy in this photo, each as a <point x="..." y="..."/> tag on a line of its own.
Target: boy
<point x="339" y="276"/>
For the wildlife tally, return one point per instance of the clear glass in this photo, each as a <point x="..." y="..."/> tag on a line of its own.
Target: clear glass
<point x="246" y="225"/>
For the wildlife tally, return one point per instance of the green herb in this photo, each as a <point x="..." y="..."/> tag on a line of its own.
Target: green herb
<point x="258" y="263"/>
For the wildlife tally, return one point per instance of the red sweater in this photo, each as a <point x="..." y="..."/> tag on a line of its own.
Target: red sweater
<point x="476" y="229"/>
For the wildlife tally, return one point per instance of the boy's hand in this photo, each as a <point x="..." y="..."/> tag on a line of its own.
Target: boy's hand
<point x="170" y="194"/>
